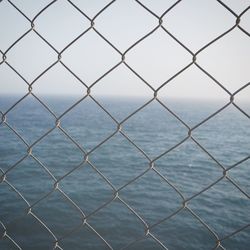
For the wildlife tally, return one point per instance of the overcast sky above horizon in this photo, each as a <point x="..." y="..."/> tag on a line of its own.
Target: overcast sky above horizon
<point x="156" y="59"/>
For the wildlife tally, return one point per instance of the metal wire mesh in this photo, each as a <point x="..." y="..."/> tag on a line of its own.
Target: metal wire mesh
<point x="152" y="165"/>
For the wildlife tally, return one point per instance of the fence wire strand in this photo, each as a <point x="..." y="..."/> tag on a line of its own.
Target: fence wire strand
<point x="86" y="155"/>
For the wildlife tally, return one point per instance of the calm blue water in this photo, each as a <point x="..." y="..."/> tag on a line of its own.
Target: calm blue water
<point x="223" y="207"/>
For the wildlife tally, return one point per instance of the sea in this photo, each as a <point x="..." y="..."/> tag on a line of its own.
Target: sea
<point x="135" y="177"/>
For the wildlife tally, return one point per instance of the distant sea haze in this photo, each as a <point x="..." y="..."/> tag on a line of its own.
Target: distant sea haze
<point x="223" y="207"/>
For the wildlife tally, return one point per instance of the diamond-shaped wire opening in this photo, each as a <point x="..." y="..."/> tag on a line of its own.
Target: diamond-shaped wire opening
<point x="58" y="214"/>
<point x="190" y="22"/>
<point x="193" y="87"/>
<point x="128" y="27"/>
<point x="222" y="62"/>
<point x="91" y="8"/>
<point x="239" y="175"/>
<point x="119" y="160"/>
<point x="58" y="88"/>
<point x="183" y="231"/>
<point x="151" y="193"/>
<point x="162" y="58"/>
<point x="17" y="25"/>
<point x="189" y="168"/>
<point x="88" y="124"/>
<point x="83" y="185"/>
<point x="223" y="207"/>
<point x="121" y="92"/>
<point x="228" y="138"/>
<point x="90" y="57"/>
<point x="29" y="233"/>
<point x="31" y="56"/>
<point x="13" y="207"/>
<point x="12" y="87"/>
<point x="30" y="119"/>
<point x="25" y="177"/>
<point x="161" y="131"/>
<point x="117" y="224"/>
<point x="30" y="7"/>
<point x="55" y="145"/>
<point x="12" y="149"/>
<point x="65" y="22"/>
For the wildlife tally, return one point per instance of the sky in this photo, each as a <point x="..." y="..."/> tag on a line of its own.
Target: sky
<point x="156" y="59"/>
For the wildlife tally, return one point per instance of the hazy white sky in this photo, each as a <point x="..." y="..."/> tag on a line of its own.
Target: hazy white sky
<point x="156" y="59"/>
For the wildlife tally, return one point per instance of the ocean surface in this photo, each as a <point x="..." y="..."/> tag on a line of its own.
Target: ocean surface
<point x="223" y="208"/>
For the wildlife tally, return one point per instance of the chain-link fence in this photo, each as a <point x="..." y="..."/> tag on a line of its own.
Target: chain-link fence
<point x="23" y="212"/>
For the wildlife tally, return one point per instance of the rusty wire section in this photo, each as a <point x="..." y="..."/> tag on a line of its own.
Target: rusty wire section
<point x="184" y="205"/>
